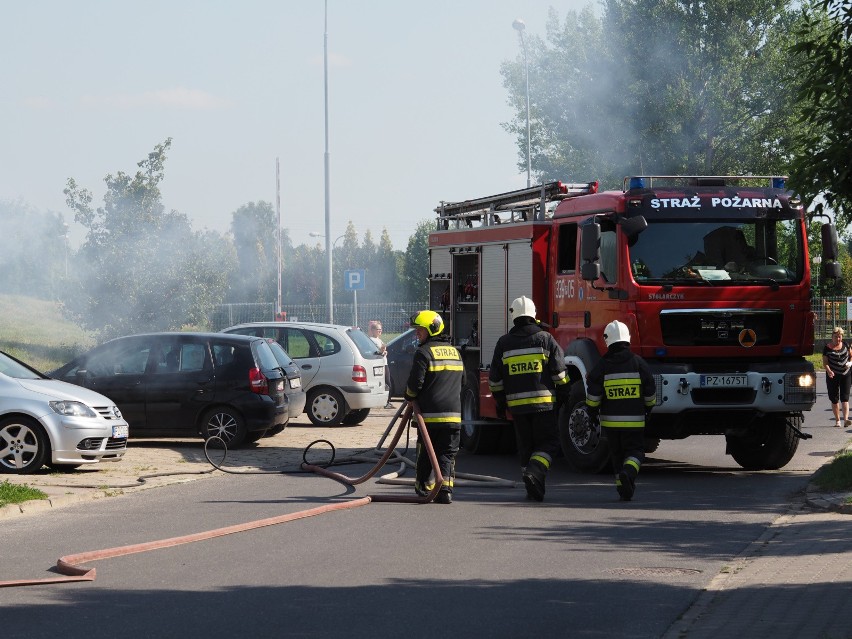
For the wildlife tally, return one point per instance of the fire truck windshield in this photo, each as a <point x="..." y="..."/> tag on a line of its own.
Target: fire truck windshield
<point x="718" y="252"/>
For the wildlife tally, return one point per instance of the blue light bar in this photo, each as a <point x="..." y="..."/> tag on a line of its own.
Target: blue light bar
<point x="779" y="183"/>
<point x="636" y="183"/>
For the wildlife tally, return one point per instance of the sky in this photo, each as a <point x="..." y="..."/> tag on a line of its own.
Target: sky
<point x="415" y="104"/>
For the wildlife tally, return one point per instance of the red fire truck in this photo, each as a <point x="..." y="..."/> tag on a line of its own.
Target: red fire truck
<point x="710" y="274"/>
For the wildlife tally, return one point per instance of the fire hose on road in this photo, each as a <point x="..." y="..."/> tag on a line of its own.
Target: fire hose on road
<point x="71" y="568"/>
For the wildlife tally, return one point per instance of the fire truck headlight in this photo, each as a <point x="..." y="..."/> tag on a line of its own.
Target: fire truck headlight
<point x="806" y="380"/>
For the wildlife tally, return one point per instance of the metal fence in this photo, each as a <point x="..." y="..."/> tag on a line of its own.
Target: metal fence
<point x="830" y="312"/>
<point x="394" y="316"/>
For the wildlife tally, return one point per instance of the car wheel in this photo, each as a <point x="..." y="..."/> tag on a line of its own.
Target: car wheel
<point x="356" y="416"/>
<point x="225" y="423"/>
<point x="326" y="407"/>
<point x="24" y="446"/>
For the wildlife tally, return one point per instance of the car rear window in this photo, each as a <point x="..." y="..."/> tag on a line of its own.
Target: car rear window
<point x="364" y="344"/>
<point x="266" y="356"/>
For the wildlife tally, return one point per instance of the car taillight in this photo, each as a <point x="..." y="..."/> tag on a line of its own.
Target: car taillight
<point x="258" y="382"/>
<point x="359" y="374"/>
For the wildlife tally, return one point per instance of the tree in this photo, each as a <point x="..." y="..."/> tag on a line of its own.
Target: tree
<point x="659" y="87"/>
<point x="824" y="74"/>
<point x="142" y="268"/>
<point x="416" y="265"/>
<point x="33" y="251"/>
<point x="256" y="277"/>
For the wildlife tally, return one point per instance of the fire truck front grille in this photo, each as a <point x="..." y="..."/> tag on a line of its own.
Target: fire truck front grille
<point x="704" y="396"/>
<point x="721" y="327"/>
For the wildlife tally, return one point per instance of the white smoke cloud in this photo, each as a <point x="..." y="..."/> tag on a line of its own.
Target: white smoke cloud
<point x="176" y="98"/>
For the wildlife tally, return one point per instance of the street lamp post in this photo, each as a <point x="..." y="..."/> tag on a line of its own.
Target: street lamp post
<point x="519" y="26"/>
<point x="327" y="170"/>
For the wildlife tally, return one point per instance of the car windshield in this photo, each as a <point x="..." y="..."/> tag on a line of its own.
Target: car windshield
<point x="365" y="345"/>
<point x="13" y="368"/>
<point x="718" y="252"/>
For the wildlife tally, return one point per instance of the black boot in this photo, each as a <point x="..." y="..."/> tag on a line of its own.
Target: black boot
<point x="534" y="475"/>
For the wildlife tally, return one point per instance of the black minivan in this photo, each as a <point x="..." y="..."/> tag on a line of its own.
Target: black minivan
<point x="176" y="384"/>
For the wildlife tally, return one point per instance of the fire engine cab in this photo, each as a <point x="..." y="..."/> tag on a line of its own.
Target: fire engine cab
<point x="710" y="274"/>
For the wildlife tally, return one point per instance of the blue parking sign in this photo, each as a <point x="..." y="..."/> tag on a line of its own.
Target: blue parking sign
<point x="354" y="280"/>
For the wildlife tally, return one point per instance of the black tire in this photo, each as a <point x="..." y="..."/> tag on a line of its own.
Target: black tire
<point x="63" y="468"/>
<point x="24" y="446"/>
<point x="356" y="416"/>
<point x="325" y="406"/>
<point x="226" y="423"/>
<point x="254" y="436"/>
<point x="476" y="438"/>
<point x="651" y="445"/>
<point x="583" y="445"/>
<point x="771" y="446"/>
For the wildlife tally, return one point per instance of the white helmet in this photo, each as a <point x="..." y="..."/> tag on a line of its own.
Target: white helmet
<point x="616" y="331"/>
<point x="522" y="307"/>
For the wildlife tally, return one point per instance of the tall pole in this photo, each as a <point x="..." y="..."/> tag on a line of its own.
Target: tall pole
<point x="278" y="234"/>
<point x="327" y="191"/>
<point x="519" y="26"/>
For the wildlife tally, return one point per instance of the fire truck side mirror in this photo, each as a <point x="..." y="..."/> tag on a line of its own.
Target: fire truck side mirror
<point x="829" y="243"/>
<point x="831" y="270"/>
<point x="590" y="251"/>
<point x="633" y="226"/>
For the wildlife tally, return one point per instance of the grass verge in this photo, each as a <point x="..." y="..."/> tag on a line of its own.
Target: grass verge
<point x="837" y="474"/>
<point x="18" y="493"/>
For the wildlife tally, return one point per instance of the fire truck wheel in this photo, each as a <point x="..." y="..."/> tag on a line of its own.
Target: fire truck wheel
<point x="772" y="445"/>
<point x="476" y="438"/>
<point x="580" y="435"/>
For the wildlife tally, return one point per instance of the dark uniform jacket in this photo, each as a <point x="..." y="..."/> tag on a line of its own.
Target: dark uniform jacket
<point x="621" y="386"/>
<point x="435" y="382"/>
<point x="527" y="369"/>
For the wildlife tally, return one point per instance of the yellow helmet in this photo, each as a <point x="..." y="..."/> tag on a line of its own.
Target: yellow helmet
<point x="429" y="320"/>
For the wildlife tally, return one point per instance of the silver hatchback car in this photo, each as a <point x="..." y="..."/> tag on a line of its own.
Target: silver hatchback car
<point x="342" y="372"/>
<point x="46" y="421"/>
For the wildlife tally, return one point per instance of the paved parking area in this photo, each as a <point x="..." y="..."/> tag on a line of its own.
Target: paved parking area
<point x="150" y="463"/>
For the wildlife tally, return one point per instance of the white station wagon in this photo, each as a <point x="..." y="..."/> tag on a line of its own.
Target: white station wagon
<point x="342" y="372"/>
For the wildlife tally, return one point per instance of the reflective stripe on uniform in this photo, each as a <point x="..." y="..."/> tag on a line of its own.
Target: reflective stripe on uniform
<point x="622" y="421"/>
<point x="532" y="397"/>
<point x="442" y="418"/>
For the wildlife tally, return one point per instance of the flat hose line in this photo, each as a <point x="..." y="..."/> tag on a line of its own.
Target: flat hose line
<point x="71" y="568"/>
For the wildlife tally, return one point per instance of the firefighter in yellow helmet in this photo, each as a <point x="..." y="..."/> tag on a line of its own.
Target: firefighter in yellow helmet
<point x="527" y="377"/>
<point x="620" y="391"/>
<point x="435" y="384"/>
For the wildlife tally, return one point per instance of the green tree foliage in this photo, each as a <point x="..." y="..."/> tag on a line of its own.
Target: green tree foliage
<point x="824" y="145"/>
<point x="142" y="268"/>
<point x="33" y="251"/>
<point x="253" y="229"/>
<point x="657" y="87"/>
<point x="415" y="269"/>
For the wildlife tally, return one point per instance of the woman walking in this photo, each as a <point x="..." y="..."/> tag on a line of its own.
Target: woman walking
<point x="837" y="362"/>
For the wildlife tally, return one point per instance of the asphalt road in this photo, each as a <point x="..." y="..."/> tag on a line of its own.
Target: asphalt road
<point x="492" y="564"/>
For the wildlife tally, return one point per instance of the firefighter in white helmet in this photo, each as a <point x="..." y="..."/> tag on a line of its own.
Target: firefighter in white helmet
<point x="435" y="384"/>
<point x="620" y="391"/>
<point x="527" y="377"/>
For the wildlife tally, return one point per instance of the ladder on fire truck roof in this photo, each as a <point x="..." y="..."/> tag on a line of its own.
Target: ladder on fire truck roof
<point x="523" y="205"/>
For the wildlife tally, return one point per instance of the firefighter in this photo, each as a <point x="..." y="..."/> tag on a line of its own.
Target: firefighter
<point x="435" y="383"/>
<point x="621" y="392"/>
<point x="528" y="377"/>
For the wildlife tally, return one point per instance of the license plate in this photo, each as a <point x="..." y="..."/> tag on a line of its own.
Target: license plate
<point x="379" y="371"/>
<point x="724" y="381"/>
<point x="120" y="432"/>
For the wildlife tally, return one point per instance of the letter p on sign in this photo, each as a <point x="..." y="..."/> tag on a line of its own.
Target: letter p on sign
<point x="354" y="280"/>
